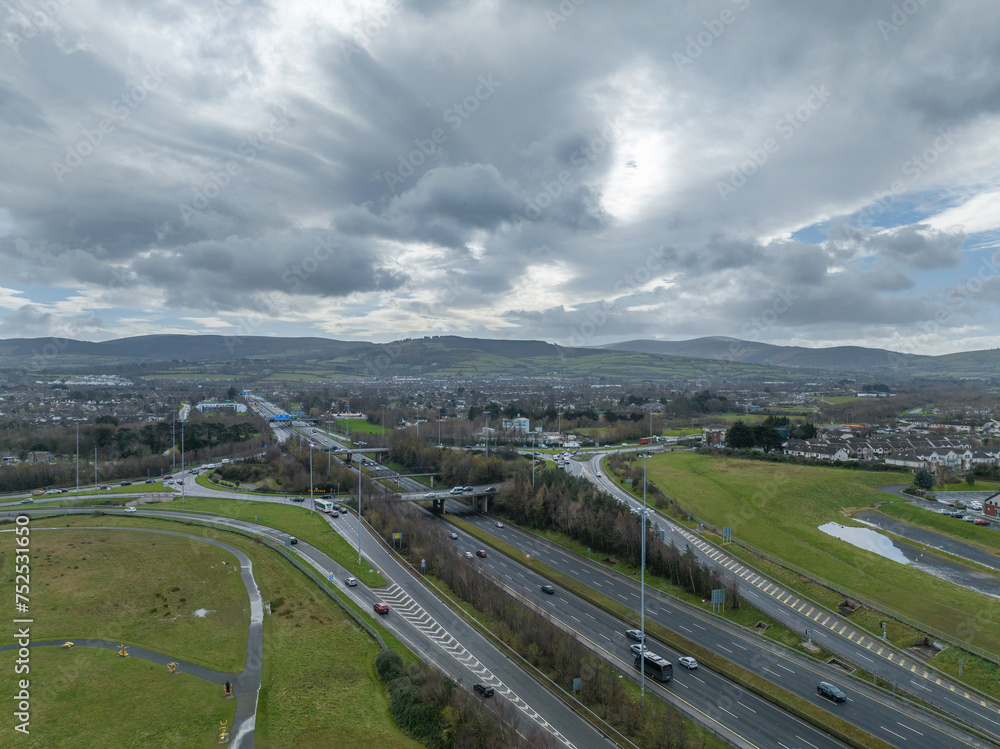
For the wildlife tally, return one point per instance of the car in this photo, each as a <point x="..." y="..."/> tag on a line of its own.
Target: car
<point x="637" y="648"/>
<point x="469" y="490"/>
<point x="981" y="521"/>
<point x="977" y="506"/>
<point x="298" y="499"/>
<point x="327" y="496"/>
<point x="53" y="491"/>
<point x="126" y="483"/>
<point x="430" y="495"/>
<point x="64" y="491"/>
<point x="105" y="486"/>
<point x="831" y="691"/>
<point x="350" y="582"/>
<point x="688" y="662"/>
<point x="484" y="689"/>
<point x="491" y="490"/>
<point x="381" y="608"/>
<point x="957" y="514"/>
<point x="453" y="536"/>
<point x="548" y="589"/>
<point x="969" y="518"/>
<point x="129" y="509"/>
<point x="149" y="481"/>
<point x="499" y="525"/>
<point x="168" y="477"/>
<point x="457" y="490"/>
<point x="634" y="634"/>
<point x="469" y="555"/>
<point x="293" y="540"/>
<point x="28" y="501"/>
<point x="334" y="514"/>
<point x="597" y="475"/>
<point x="180" y="482"/>
<point x="481" y="553"/>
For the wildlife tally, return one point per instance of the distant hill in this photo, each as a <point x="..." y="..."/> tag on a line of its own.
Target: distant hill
<point x="47" y="352"/>
<point x="715" y="358"/>
<point x="838" y="358"/>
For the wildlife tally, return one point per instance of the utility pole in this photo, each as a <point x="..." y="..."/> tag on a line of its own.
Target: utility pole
<point x="311" y="503"/>
<point x="487" y="433"/>
<point x="642" y="590"/>
<point x="183" y="485"/>
<point x="77" y="456"/>
<point x="173" y="442"/>
<point x="360" y="475"/>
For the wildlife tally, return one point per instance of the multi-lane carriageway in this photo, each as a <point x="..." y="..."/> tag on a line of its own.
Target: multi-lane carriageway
<point x="718" y="700"/>
<point x="828" y="630"/>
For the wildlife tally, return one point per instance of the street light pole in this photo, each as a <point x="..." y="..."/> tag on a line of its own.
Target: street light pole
<point x="77" y="456"/>
<point x="487" y="433"/>
<point x="311" y="502"/>
<point x="642" y="589"/>
<point x="359" y="512"/>
<point x="183" y="485"/>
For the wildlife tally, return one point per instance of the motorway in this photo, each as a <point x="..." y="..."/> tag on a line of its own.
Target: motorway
<point x="421" y="620"/>
<point x="891" y="720"/>
<point x="828" y="630"/>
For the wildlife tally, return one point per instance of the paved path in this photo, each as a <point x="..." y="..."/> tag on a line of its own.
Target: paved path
<point x="246" y="684"/>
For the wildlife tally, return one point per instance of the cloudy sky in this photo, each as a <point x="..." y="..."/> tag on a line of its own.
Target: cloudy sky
<point x="579" y="172"/>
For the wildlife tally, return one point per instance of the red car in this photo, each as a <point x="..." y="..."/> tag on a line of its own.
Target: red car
<point x="981" y="521"/>
<point x="381" y="608"/>
<point x="481" y="553"/>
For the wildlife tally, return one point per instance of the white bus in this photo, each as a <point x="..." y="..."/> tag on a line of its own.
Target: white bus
<point x="323" y="505"/>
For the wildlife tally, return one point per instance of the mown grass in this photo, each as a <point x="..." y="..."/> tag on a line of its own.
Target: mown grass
<point x="778" y="509"/>
<point x="295" y="520"/>
<point x="319" y="687"/>
<point x="92" y="697"/>
<point x="135" y="588"/>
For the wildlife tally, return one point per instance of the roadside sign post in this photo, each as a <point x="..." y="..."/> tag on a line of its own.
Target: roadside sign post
<point x="809" y="634"/>
<point x="884" y="636"/>
<point x="423" y="565"/>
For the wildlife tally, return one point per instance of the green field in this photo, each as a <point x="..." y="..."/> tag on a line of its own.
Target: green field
<point x="79" y="699"/>
<point x="360" y="426"/>
<point x="136" y="587"/>
<point x="778" y="508"/>
<point x="319" y="686"/>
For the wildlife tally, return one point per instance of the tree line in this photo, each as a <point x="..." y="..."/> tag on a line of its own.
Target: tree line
<point x="557" y="653"/>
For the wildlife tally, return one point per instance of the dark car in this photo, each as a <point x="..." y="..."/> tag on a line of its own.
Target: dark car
<point x="126" y="483"/>
<point x="298" y="499"/>
<point x="149" y="481"/>
<point x="491" y="490"/>
<point x="831" y="691"/>
<point x="484" y="689"/>
<point x="548" y="589"/>
<point x="381" y="608"/>
<point x="481" y="553"/>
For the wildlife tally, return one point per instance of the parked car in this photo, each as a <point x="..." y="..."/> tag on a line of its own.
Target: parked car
<point x="831" y="691"/>
<point x="484" y="689"/>
<point x="350" y="582"/>
<point x="548" y="589"/>
<point x="688" y="662"/>
<point x="981" y="521"/>
<point x="634" y="634"/>
<point x="381" y="608"/>
<point x="481" y="553"/>
<point x="969" y="518"/>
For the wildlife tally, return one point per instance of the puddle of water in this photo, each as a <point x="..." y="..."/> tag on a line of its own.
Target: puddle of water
<point x="867" y="539"/>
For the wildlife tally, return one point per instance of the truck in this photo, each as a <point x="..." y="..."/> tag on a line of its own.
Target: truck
<point x="648" y="440"/>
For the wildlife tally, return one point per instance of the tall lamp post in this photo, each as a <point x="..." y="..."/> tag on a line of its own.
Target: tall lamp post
<point x="359" y="512"/>
<point x="311" y="502"/>
<point x="642" y="588"/>
<point x="183" y="487"/>
<point x="77" y="456"/>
